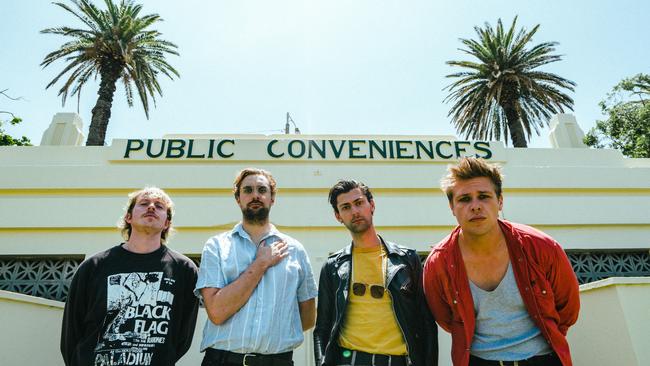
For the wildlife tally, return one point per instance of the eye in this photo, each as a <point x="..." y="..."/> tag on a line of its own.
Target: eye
<point x="247" y="189"/>
<point x="463" y="199"/>
<point x="484" y="196"/>
<point x="262" y="189"/>
<point x="159" y="206"/>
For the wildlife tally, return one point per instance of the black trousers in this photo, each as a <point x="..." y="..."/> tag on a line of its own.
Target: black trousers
<point x="550" y="359"/>
<point x="216" y="357"/>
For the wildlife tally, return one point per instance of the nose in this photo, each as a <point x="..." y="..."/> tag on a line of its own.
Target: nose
<point x="475" y="206"/>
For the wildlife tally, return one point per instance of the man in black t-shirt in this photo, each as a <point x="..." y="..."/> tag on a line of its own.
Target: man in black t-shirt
<point x="133" y="304"/>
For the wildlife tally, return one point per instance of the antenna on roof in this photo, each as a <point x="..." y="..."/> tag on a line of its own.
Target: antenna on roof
<point x="287" y="126"/>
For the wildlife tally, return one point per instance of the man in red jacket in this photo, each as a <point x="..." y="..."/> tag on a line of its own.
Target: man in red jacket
<point x="506" y="292"/>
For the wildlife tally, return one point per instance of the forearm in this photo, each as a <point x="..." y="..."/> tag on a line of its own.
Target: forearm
<point x="221" y="304"/>
<point x="307" y="314"/>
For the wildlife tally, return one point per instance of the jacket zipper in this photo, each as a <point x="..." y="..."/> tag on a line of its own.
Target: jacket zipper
<point x="392" y="275"/>
<point x="337" y="322"/>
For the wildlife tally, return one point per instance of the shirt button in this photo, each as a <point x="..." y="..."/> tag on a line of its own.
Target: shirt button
<point x="544" y="292"/>
<point x="455" y="302"/>
<point x="526" y="288"/>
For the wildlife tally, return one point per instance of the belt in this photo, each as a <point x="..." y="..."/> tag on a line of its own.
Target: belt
<point x="360" y="358"/>
<point x="250" y="359"/>
<point x="541" y="360"/>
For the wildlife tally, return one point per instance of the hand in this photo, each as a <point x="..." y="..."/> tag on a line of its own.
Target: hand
<point x="270" y="255"/>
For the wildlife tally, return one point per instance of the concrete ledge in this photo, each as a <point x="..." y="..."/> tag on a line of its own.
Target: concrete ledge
<point x="613" y="281"/>
<point x="14" y="296"/>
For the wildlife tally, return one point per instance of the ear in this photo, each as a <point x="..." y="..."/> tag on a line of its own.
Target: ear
<point x="128" y="218"/>
<point x="500" y="202"/>
<point x="372" y="207"/>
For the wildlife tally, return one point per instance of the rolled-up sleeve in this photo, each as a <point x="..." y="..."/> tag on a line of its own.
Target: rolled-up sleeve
<point x="210" y="271"/>
<point x="307" y="287"/>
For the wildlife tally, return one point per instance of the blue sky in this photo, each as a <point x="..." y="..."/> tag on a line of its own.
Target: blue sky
<point x="339" y="67"/>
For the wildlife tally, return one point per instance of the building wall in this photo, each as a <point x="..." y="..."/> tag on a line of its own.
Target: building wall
<point x="58" y="200"/>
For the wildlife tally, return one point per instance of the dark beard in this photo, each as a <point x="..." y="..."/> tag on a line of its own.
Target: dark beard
<point x="256" y="217"/>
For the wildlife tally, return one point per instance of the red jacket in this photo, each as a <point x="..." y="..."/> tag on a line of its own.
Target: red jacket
<point x="544" y="276"/>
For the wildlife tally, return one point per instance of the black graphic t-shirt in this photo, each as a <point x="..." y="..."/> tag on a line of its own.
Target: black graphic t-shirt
<point x="125" y="308"/>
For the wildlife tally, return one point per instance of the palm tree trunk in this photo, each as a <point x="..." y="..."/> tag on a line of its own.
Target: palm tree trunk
<point x="101" y="113"/>
<point x="517" y="134"/>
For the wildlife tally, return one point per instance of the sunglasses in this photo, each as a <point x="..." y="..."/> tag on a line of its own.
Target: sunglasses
<point x="376" y="291"/>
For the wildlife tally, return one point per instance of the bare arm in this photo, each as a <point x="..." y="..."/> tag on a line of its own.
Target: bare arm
<point x="221" y="304"/>
<point x="307" y="314"/>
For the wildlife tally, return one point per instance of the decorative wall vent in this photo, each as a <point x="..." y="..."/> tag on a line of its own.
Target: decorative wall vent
<point x="45" y="277"/>
<point x="593" y="266"/>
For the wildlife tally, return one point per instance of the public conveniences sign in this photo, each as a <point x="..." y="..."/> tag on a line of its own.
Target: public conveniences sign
<point x="300" y="149"/>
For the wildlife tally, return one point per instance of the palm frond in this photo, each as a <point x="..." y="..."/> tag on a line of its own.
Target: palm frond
<point x="504" y="77"/>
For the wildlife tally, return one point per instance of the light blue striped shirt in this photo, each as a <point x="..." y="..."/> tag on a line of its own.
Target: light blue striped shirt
<point x="269" y="322"/>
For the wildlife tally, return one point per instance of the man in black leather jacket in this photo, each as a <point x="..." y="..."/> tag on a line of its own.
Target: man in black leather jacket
<point x="371" y="308"/>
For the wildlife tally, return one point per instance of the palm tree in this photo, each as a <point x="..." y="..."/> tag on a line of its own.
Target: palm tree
<point x="115" y="45"/>
<point x="503" y="92"/>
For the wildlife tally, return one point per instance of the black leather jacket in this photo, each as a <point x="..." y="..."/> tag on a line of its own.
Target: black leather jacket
<point x="404" y="279"/>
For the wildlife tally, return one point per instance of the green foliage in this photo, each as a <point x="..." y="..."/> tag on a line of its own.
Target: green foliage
<point x="115" y="44"/>
<point x="8" y="140"/>
<point x="627" y="127"/>
<point x="503" y="93"/>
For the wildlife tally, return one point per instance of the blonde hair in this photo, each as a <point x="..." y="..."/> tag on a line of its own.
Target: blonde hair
<point x="469" y="168"/>
<point x="152" y="192"/>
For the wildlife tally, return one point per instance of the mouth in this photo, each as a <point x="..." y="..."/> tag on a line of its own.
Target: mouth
<point x="477" y="218"/>
<point x="150" y="215"/>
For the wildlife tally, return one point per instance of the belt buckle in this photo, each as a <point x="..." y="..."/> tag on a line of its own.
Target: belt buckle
<point x="246" y="356"/>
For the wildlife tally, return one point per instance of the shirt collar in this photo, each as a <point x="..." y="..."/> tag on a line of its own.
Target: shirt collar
<point x="239" y="229"/>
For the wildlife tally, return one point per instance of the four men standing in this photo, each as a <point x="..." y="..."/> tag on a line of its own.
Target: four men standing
<point x="505" y="291"/>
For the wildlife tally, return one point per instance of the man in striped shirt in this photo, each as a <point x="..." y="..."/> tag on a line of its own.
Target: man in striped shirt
<point x="256" y="283"/>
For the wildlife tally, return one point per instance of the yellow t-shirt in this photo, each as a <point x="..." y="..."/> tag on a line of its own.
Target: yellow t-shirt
<point x="370" y="324"/>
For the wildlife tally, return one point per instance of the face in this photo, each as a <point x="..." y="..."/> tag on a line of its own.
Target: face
<point x="255" y="199"/>
<point x="355" y="211"/>
<point x="148" y="214"/>
<point x="476" y="206"/>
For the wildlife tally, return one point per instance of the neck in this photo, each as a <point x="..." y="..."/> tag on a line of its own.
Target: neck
<point x="486" y="244"/>
<point x="256" y="230"/>
<point x="366" y="239"/>
<point x="142" y="243"/>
